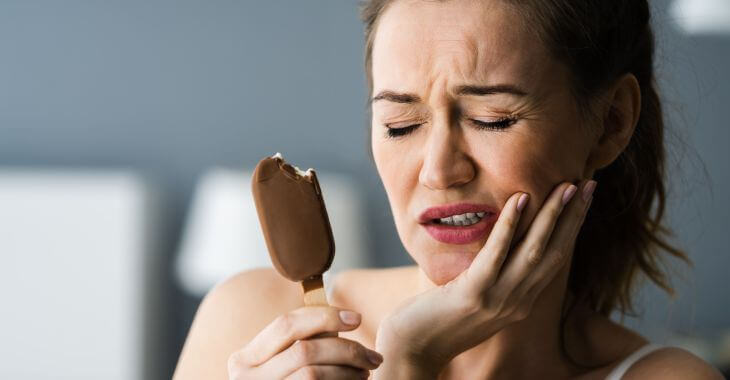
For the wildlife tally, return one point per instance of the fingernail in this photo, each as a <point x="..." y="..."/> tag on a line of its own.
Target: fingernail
<point x="588" y="190"/>
<point x="374" y="357"/>
<point x="349" y="317"/>
<point x="522" y="202"/>
<point x="568" y="194"/>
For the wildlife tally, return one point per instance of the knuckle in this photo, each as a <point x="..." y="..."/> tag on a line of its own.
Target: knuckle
<point x="234" y="364"/>
<point x="500" y="255"/>
<point x="506" y="308"/>
<point x="557" y="257"/>
<point x="354" y="351"/>
<point x="472" y="305"/>
<point x="510" y="222"/>
<point x="307" y="373"/>
<point x="310" y="373"/>
<point x="302" y="351"/>
<point x="487" y="306"/>
<point x="553" y="211"/>
<point x="534" y="256"/>
<point x="243" y="357"/>
<point x="285" y="325"/>
<point x="521" y="312"/>
<point x="532" y="247"/>
<point x="331" y="319"/>
<point x="322" y="319"/>
<point x="556" y="208"/>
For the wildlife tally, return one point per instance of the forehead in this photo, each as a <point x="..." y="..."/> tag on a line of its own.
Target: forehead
<point x="419" y="42"/>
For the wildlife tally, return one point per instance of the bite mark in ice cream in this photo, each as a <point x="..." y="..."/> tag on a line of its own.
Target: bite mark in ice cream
<point x="294" y="222"/>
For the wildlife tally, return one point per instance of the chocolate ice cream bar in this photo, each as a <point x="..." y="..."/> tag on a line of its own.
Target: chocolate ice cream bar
<point x="295" y="224"/>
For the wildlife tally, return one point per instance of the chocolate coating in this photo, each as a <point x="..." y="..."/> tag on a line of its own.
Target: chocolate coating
<point x="293" y="219"/>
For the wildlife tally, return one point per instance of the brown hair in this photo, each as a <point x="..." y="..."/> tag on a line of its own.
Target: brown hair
<point x="623" y="234"/>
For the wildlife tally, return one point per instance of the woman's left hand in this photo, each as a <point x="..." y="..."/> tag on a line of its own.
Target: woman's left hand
<point x="424" y="333"/>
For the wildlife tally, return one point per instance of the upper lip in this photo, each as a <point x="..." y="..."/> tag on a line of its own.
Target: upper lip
<point x="443" y="211"/>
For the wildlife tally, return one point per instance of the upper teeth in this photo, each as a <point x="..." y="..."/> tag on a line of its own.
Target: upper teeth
<point x="463" y="219"/>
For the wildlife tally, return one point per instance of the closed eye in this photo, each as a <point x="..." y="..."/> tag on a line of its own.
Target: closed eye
<point x="498" y="125"/>
<point x="398" y="132"/>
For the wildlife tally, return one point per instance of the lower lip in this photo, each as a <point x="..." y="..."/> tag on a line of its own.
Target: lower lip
<point x="461" y="234"/>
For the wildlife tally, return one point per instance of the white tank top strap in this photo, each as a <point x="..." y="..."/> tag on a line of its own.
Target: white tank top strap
<point x="618" y="372"/>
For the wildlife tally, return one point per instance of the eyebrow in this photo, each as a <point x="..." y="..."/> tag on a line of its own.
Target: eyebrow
<point x="395" y="97"/>
<point x="490" y="90"/>
<point x="463" y="90"/>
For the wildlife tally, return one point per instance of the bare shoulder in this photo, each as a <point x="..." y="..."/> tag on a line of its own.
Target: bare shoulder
<point x="229" y="316"/>
<point x="361" y="286"/>
<point x="672" y="363"/>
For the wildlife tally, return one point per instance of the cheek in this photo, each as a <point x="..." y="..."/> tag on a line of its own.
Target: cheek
<point x="392" y="163"/>
<point x="521" y="163"/>
<point x="385" y="160"/>
<point x="538" y="156"/>
<point x="532" y="164"/>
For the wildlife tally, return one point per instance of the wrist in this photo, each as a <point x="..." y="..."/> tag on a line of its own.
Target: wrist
<point x="402" y="372"/>
<point x="400" y="361"/>
<point x="397" y="365"/>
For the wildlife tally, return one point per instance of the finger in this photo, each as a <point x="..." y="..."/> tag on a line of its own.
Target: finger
<point x="298" y="324"/>
<point x="529" y="252"/>
<point x="560" y="248"/>
<point x="486" y="265"/>
<point x="328" y="372"/>
<point x="322" y="351"/>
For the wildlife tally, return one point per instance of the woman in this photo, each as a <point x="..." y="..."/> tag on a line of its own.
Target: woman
<point x="500" y="112"/>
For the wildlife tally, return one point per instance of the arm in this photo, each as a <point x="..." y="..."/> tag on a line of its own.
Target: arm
<point x="229" y="317"/>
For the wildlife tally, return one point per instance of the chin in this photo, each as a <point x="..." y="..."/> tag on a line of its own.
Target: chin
<point x="441" y="268"/>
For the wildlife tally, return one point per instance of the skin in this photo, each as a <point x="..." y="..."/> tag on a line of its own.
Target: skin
<point x="419" y="50"/>
<point x="491" y="308"/>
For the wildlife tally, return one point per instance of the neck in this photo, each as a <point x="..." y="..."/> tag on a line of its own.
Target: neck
<point x="527" y="349"/>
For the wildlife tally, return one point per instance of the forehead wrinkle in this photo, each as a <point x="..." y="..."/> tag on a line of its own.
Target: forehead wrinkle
<point x="412" y="54"/>
<point x="455" y="57"/>
<point x="458" y="53"/>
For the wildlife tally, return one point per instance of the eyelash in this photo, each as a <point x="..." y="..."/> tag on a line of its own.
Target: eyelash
<point x="498" y="125"/>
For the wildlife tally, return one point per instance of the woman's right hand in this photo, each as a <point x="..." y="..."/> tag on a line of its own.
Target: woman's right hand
<point x="288" y="348"/>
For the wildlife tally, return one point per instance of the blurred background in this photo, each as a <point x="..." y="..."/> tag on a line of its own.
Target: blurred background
<point x="128" y="131"/>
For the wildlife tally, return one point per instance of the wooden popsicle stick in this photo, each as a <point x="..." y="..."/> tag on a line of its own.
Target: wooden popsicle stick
<point x="315" y="295"/>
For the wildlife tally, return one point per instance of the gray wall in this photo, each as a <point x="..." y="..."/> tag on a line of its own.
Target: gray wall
<point x="173" y="87"/>
<point x="694" y="76"/>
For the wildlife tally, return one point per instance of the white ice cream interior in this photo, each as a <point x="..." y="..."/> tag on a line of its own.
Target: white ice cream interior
<point x="299" y="171"/>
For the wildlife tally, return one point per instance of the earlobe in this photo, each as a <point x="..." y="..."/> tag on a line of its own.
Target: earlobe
<point x="619" y="116"/>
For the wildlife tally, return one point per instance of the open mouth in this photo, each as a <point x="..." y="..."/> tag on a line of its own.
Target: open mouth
<point x="462" y="228"/>
<point x="466" y="219"/>
<point x="458" y="223"/>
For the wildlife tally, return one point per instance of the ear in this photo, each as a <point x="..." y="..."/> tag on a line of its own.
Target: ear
<point x="617" y="120"/>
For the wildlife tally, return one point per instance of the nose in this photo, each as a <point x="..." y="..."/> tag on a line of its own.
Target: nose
<point x="445" y="164"/>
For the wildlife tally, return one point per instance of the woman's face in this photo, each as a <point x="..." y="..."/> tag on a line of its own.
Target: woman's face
<point x="487" y="113"/>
